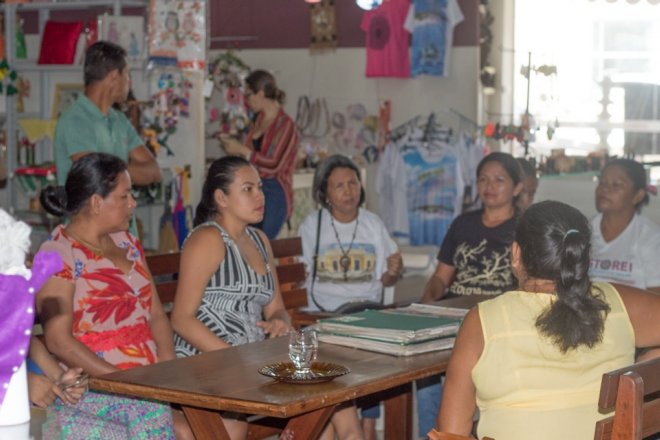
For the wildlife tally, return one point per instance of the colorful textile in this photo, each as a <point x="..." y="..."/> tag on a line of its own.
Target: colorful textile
<point x="432" y="23"/>
<point x="17" y="314"/>
<point x="276" y="157"/>
<point x="106" y="417"/>
<point x="108" y="304"/>
<point x="387" y="40"/>
<point x="234" y="298"/>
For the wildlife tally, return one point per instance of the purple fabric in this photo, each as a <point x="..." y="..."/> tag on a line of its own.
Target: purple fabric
<point x="17" y="314"/>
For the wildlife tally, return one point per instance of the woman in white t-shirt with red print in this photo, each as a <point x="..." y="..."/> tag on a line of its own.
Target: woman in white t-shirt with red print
<point x="625" y="244"/>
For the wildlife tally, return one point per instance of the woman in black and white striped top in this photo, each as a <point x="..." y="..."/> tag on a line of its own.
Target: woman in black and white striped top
<point x="227" y="293"/>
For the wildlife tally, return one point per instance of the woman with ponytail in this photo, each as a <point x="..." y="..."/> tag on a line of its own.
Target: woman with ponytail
<point x="227" y="293"/>
<point x="532" y="359"/>
<point x="101" y="311"/>
<point x="271" y="146"/>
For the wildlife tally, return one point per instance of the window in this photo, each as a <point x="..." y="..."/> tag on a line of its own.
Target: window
<point x="594" y="41"/>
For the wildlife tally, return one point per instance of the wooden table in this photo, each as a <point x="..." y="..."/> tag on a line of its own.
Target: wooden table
<point x="228" y="380"/>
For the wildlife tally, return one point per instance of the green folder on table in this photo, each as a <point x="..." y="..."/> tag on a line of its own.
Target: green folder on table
<point x="407" y="325"/>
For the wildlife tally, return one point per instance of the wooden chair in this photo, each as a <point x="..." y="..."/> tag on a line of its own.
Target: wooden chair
<point x="165" y="271"/>
<point x="634" y="394"/>
<point x="291" y="276"/>
<point x="437" y="435"/>
<point x="290" y="273"/>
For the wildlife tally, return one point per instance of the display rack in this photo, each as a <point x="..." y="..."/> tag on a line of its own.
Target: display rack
<point x="44" y="9"/>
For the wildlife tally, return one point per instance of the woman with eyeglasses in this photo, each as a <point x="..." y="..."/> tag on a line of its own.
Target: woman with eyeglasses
<point x="625" y="244"/>
<point x="271" y="146"/>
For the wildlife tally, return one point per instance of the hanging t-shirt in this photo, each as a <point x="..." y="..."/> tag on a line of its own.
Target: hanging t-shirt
<point x="387" y="40"/>
<point x="480" y="255"/>
<point x="367" y="257"/>
<point x="391" y="186"/>
<point x="434" y="190"/>
<point x="432" y="24"/>
<point x="631" y="258"/>
<point x="469" y="154"/>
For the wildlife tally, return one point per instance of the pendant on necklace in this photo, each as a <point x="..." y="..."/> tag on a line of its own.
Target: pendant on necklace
<point x="345" y="263"/>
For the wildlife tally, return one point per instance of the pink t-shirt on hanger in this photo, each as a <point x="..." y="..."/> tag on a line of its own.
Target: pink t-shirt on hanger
<point x="387" y="40"/>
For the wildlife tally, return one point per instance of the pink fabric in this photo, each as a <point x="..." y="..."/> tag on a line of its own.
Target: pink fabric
<point x="107" y="302"/>
<point x="387" y="40"/>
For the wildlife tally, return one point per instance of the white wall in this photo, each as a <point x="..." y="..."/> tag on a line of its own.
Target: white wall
<point x="339" y="78"/>
<point x="578" y="190"/>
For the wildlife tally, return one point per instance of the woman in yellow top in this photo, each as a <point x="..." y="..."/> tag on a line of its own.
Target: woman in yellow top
<point x="532" y="359"/>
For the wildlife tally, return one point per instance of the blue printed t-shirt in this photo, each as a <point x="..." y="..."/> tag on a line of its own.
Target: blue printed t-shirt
<point x="84" y="128"/>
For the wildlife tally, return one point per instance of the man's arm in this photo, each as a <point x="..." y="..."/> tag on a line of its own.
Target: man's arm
<point x="142" y="166"/>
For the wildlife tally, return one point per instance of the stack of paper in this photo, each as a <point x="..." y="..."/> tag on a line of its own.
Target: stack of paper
<point x="418" y="328"/>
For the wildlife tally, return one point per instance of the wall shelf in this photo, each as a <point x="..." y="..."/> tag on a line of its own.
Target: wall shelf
<point x="73" y="5"/>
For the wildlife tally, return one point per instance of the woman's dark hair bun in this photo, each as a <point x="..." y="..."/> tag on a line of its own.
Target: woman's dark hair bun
<point x="53" y="199"/>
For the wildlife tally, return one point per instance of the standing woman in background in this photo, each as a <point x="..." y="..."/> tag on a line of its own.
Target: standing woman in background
<point x="271" y="146"/>
<point x="626" y="245"/>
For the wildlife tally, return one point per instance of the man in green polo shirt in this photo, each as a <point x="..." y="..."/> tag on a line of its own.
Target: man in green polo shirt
<point x="92" y="125"/>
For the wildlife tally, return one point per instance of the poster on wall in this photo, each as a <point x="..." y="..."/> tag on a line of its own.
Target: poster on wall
<point x="126" y="31"/>
<point x="177" y="32"/>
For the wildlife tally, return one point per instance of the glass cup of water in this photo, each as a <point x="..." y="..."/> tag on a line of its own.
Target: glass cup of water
<point x="303" y="348"/>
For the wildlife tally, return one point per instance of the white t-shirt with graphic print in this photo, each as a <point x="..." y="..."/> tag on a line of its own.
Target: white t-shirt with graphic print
<point x="632" y="258"/>
<point x="367" y="259"/>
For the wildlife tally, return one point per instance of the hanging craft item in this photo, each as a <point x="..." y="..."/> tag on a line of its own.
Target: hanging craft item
<point x="171" y="101"/>
<point x="313" y="121"/>
<point x="227" y="73"/>
<point x="177" y="33"/>
<point x="8" y="77"/>
<point x="182" y="213"/>
<point x="355" y="129"/>
<point x="323" y="26"/>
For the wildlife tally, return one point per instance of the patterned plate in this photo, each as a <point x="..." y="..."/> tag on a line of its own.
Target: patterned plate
<point x="320" y="372"/>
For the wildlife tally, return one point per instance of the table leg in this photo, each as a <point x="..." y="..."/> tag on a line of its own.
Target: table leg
<point x="310" y="425"/>
<point x="205" y="423"/>
<point x="398" y="414"/>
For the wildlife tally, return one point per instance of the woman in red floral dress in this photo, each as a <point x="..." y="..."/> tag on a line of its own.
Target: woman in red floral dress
<point x="101" y="311"/>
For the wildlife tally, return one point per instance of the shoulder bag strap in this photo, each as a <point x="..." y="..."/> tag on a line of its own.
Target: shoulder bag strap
<point x="315" y="262"/>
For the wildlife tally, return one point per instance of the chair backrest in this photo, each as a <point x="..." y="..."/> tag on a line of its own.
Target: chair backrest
<point x="290" y="273"/>
<point x="438" y="435"/>
<point x="633" y="394"/>
<point x="165" y="270"/>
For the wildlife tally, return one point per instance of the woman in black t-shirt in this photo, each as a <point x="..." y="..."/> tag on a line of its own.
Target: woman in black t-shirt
<point x="475" y="257"/>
